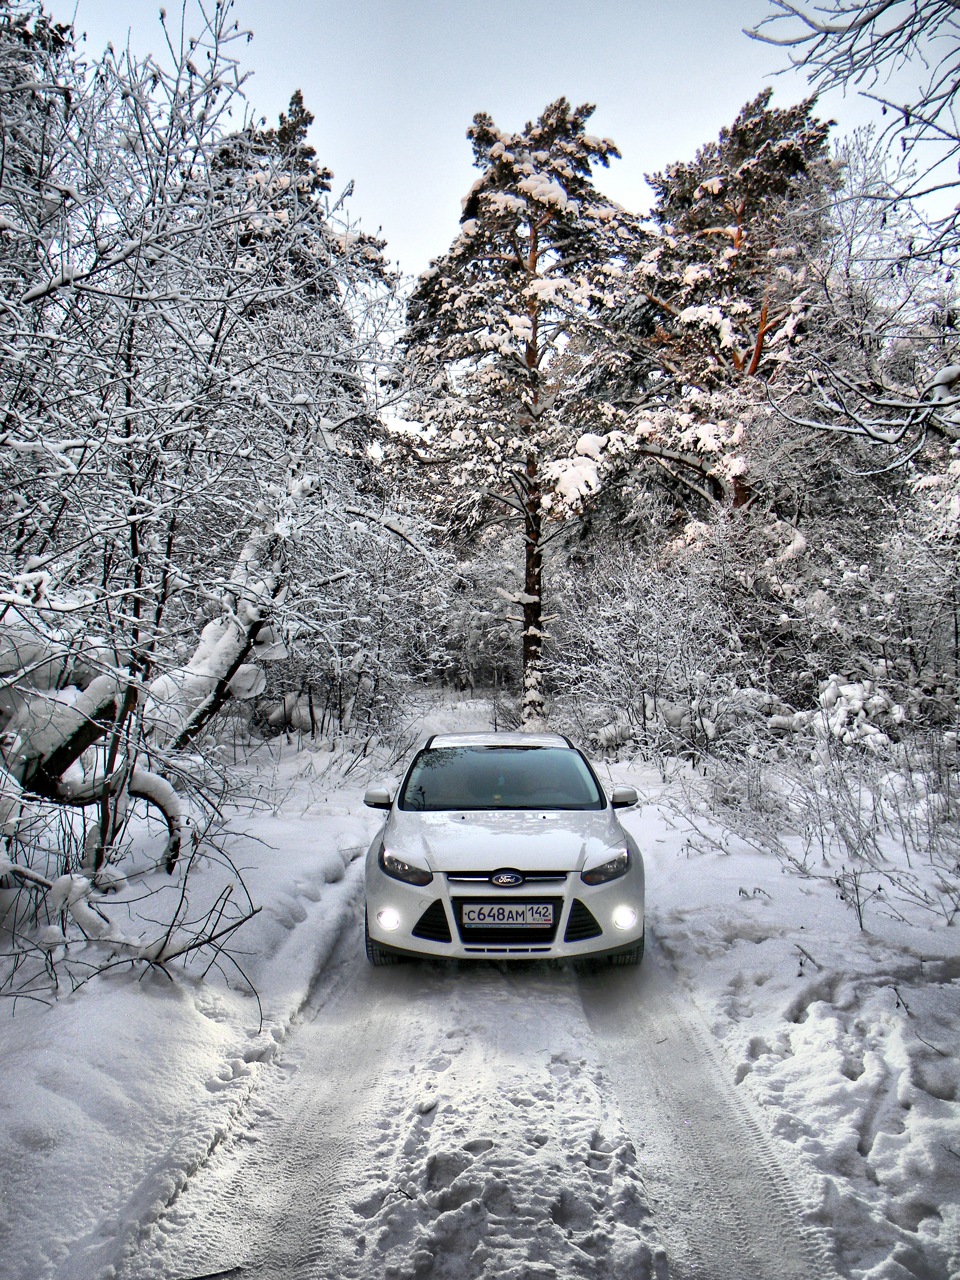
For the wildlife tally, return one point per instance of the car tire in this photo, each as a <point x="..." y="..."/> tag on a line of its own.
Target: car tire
<point x="633" y="956"/>
<point x="376" y="954"/>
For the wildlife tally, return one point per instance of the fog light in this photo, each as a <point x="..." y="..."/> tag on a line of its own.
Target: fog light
<point x="388" y="919"/>
<point x="624" y="918"/>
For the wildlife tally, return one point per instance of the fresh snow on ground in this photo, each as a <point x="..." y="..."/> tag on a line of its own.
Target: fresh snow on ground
<point x="117" y="1092"/>
<point x="846" y="1038"/>
<point x="843" y="1040"/>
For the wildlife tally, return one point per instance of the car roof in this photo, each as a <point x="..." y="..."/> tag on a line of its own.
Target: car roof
<point x="501" y="739"/>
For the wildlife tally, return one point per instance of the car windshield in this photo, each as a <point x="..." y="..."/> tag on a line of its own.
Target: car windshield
<point x="489" y="777"/>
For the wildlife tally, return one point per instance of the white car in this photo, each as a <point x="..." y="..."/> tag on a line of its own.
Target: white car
<point x="502" y="846"/>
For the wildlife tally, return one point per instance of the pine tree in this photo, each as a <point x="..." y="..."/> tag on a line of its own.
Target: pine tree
<point x="716" y="302"/>
<point x="719" y="292"/>
<point x="488" y="324"/>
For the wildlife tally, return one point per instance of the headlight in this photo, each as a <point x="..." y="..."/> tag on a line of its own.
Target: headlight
<point x="610" y="870"/>
<point x="395" y="867"/>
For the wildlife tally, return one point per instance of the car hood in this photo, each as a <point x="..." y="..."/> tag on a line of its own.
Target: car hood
<point x="542" y="840"/>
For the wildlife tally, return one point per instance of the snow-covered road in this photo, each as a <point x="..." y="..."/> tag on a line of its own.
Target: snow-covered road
<point x="525" y="1123"/>
<point x="771" y="1071"/>
<point x="725" y="1202"/>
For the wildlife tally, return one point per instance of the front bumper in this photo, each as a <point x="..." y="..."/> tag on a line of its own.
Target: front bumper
<point x="429" y="920"/>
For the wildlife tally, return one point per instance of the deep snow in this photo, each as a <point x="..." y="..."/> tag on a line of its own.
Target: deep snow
<point x="845" y="1040"/>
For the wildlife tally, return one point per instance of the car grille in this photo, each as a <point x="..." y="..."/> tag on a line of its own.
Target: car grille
<point x="433" y="925"/>
<point x="505" y="936"/>
<point x="483" y="877"/>
<point x="582" y="924"/>
<point x="507" y="951"/>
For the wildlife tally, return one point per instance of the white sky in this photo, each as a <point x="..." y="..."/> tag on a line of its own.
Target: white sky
<point x="394" y="84"/>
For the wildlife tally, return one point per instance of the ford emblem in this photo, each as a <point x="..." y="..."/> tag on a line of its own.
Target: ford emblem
<point x="506" y="879"/>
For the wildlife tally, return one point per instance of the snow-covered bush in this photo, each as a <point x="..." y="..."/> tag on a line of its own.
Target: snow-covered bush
<point x="884" y="828"/>
<point x="478" y="642"/>
<point x="63" y="920"/>
<point x="854" y="713"/>
<point x="645" y="657"/>
<point x="356" y="654"/>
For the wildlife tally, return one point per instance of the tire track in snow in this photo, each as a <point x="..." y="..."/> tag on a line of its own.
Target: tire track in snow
<point x="191" y="1153"/>
<point x="724" y="1200"/>
<point x="503" y="1157"/>
<point x="459" y="1122"/>
<point x="448" y="1122"/>
<point x="269" y="1194"/>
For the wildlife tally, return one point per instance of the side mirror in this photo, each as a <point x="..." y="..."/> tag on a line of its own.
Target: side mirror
<point x="379" y="797"/>
<point x="624" y="796"/>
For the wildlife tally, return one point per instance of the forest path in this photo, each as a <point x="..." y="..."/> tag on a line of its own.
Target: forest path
<point x="726" y="1204"/>
<point x="474" y="1120"/>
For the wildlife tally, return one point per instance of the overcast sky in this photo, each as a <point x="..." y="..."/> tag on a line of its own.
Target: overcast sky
<point x="394" y="84"/>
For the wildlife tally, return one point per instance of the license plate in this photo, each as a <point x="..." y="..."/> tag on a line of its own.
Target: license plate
<point x="507" y="915"/>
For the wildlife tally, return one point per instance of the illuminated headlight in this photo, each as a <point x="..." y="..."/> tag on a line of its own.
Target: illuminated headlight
<point x="400" y="870"/>
<point x="624" y="918"/>
<point x="610" y="870"/>
<point x="388" y="919"/>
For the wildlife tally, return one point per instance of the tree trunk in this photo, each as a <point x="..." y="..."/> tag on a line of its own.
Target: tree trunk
<point x="532" y="699"/>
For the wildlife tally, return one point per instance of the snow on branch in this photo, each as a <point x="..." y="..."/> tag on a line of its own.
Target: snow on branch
<point x="878" y="414"/>
<point x="49" y="734"/>
<point x="159" y="792"/>
<point x="913" y="46"/>
<point x="392" y="524"/>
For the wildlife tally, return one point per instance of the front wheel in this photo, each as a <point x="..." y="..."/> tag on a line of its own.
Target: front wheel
<point x="376" y="954"/>
<point x="633" y="956"/>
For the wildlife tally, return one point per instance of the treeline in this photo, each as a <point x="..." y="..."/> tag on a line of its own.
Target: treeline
<point x="716" y="445"/>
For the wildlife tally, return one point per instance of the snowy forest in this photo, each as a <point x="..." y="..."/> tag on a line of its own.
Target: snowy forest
<point x="681" y="482"/>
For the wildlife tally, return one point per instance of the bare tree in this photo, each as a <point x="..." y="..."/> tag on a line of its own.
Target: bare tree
<point x="912" y="48"/>
<point x="190" y="331"/>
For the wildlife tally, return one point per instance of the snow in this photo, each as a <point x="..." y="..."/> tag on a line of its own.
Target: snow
<point x="709" y="317"/>
<point x="124" y="1086"/>
<point x="174" y="695"/>
<point x="505" y="202"/>
<point x="843" y="1039"/>
<point x="941" y="385"/>
<point x="573" y="478"/>
<point x="546" y="190"/>
<point x="591" y="445"/>
<point x="695" y="274"/>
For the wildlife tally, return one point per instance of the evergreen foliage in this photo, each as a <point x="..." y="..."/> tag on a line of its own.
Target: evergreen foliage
<point x="488" y="324"/>
<point x="713" y="306"/>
